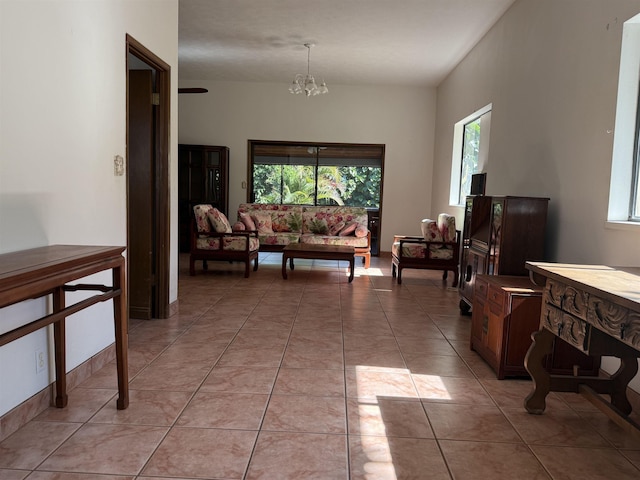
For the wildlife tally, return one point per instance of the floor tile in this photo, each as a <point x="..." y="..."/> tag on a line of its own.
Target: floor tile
<point x="497" y="461"/>
<point x="308" y="456"/>
<point x="146" y="407"/>
<point x="242" y="411"/>
<point x="572" y="463"/>
<point x="202" y="453"/>
<point x="369" y="383"/>
<point x="459" y="422"/>
<point x="388" y="418"/>
<point x="30" y="445"/>
<point x="307" y="381"/>
<point x="297" y="413"/>
<point x="460" y="390"/>
<point x="95" y="448"/>
<point x="240" y="379"/>
<point x="379" y="457"/>
<point x="555" y="427"/>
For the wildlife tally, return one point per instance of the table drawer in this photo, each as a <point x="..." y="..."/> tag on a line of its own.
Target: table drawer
<point x="571" y="329"/>
<point x="481" y="288"/>
<point x="496" y="295"/>
<point x="617" y="321"/>
<point x="566" y="298"/>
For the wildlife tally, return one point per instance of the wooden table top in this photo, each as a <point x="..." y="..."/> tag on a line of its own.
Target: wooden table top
<point x="620" y="285"/>
<point x="310" y="247"/>
<point x="28" y="266"/>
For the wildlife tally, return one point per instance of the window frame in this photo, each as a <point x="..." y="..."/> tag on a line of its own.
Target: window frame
<point x="457" y="159"/>
<point x="625" y="164"/>
<point x="374" y="152"/>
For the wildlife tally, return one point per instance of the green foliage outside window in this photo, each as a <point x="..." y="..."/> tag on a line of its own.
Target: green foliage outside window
<point x="470" y="154"/>
<point x="296" y="184"/>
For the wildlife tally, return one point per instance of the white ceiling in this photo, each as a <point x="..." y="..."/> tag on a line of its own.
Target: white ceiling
<point x="358" y="42"/>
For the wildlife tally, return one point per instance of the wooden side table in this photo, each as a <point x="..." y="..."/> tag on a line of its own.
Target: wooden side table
<point x="38" y="272"/>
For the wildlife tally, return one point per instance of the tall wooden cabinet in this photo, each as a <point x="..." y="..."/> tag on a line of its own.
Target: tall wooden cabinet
<point x="500" y="234"/>
<point x="203" y="177"/>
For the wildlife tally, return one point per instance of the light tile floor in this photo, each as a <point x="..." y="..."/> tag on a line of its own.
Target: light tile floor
<point x="314" y="378"/>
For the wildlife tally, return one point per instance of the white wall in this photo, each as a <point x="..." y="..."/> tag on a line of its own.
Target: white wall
<point x="62" y="120"/>
<point x="550" y="68"/>
<point x="402" y="118"/>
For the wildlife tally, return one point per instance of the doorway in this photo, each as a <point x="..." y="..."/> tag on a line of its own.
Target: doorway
<point x="148" y="94"/>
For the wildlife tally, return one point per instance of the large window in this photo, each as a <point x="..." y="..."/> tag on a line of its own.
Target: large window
<point x="470" y="150"/>
<point x="315" y="173"/>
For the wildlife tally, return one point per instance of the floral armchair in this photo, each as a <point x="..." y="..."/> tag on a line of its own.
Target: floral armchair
<point x="437" y="249"/>
<point x="213" y="239"/>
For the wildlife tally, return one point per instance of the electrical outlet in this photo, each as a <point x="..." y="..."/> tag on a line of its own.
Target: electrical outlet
<point x="41" y="361"/>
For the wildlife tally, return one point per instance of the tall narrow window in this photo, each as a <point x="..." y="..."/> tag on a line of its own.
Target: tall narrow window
<point x="470" y="156"/>
<point x="470" y="151"/>
<point x="624" y="192"/>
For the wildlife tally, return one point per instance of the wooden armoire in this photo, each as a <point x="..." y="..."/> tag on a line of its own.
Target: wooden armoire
<point x="500" y="234"/>
<point x="203" y="177"/>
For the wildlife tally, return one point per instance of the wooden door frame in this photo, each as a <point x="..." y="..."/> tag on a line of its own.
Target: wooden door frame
<point x="162" y="212"/>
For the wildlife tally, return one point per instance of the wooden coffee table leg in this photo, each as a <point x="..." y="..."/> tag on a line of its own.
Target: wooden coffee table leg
<point x="284" y="266"/>
<point x="351" y="268"/>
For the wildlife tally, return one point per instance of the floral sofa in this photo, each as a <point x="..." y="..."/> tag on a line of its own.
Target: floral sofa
<point x="212" y="238"/>
<point x="437" y="249"/>
<point x="280" y="225"/>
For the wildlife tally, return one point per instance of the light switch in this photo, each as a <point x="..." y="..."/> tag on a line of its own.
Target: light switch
<point x="118" y="166"/>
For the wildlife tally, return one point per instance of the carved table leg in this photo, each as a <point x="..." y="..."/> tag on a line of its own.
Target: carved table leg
<point x="541" y="346"/>
<point x="619" y="381"/>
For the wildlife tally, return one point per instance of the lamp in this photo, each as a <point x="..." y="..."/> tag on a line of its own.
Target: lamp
<point x="306" y="83"/>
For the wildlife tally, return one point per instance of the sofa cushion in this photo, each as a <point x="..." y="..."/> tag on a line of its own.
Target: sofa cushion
<point x="284" y="218"/>
<point x="263" y="222"/>
<point x="337" y="228"/>
<point x="349" y="240"/>
<point x="361" y="231"/>
<point x="238" y="227"/>
<point x="219" y="221"/>
<point x="332" y="215"/>
<point x="318" y="226"/>
<point x="246" y="219"/>
<point x="348" y="229"/>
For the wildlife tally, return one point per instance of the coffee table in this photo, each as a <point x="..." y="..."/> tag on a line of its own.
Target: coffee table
<point x="317" y="252"/>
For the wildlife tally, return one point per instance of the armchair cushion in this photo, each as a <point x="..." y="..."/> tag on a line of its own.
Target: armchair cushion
<point x="219" y="221"/>
<point x="430" y="230"/>
<point x="447" y="226"/>
<point x="202" y="220"/>
<point x="229" y="243"/>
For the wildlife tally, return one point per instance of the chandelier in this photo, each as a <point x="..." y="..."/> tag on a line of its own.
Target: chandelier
<point x="306" y="83"/>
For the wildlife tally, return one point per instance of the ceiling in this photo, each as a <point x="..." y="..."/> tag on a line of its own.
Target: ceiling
<point x="357" y="42"/>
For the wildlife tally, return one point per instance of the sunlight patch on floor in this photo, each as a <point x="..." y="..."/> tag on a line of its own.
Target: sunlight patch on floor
<point x="373" y="438"/>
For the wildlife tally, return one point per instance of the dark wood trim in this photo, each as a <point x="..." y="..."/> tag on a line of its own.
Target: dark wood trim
<point x="162" y="238"/>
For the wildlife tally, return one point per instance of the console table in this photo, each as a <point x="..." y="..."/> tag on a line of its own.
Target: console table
<point x="596" y="309"/>
<point x="34" y="273"/>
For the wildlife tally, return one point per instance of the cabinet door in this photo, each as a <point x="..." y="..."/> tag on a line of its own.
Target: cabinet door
<point x="479" y="321"/>
<point x="495" y="243"/>
<point x="524" y="319"/>
<point x="495" y="328"/>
